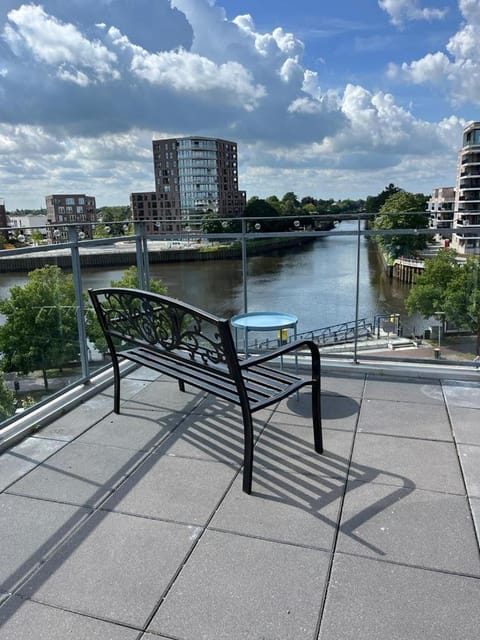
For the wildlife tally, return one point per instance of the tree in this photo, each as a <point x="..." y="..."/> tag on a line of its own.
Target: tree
<point x="449" y="287"/>
<point x="40" y="331"/>
<point x="373" y="204"/>
<point x="115" y="218"/>
<point x="258" y="208"/>
<point x="212" y="224"/>
<point x="411" y="206"/>
<point x="7" y="400"/>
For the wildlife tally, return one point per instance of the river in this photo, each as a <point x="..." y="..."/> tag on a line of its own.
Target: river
<point x="315" y="281"/>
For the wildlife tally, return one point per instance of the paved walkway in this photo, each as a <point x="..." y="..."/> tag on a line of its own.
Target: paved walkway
<point x="134" y="526"/>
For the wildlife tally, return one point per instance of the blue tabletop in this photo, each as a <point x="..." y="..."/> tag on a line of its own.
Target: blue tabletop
<point x="264" y="320"/>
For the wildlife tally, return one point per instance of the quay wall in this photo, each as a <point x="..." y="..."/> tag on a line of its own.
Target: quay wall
<point x="99" y="257"/>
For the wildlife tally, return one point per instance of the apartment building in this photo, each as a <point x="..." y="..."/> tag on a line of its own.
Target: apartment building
<point x="194" y="177"/>
<point x="70" y="208"/>
<point x="440" y="207"/>
<point x="467" y="192"/>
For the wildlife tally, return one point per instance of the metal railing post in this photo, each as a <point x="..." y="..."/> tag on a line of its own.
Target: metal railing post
<point x="357" y="295"/>
<point x="143" y="266"/>
<point x="77" y="283"/>
<point x="244" y="264"/>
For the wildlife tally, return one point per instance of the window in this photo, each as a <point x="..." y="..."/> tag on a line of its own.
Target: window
<point x="69" y="200"/>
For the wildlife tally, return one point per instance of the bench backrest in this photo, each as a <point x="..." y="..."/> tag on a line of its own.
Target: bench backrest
<point x="161" y="323"/>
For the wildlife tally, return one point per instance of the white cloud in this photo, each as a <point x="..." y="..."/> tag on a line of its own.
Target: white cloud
<point x="401" y="11"/>
<point x="189" y="72"/>
<point x="58" y="44"/>
<point x="457" y="70"/>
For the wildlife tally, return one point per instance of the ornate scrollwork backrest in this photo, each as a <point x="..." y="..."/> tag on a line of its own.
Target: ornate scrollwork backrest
<point x="145" y="319"/>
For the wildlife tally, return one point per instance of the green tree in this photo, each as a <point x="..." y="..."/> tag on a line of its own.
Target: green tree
<point x="373" y="204"/>
<point x="449" y="287"/>
<point x="115" y="218"/>
<point x="258" y="208"/>
<point x="40" y="329"/>
<point x="7" y="400"/>
<point x="212" y="224"/>
<point x="411" y="207"/>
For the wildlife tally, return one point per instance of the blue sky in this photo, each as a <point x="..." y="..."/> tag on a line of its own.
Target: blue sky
<point x="329" y="99"/>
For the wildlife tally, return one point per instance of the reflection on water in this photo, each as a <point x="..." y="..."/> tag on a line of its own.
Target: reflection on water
<point x="316" y="282"/>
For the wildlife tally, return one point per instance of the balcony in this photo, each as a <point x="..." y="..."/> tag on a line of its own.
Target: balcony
<point x="134" y="525"/>
<point x="119" y="525"/>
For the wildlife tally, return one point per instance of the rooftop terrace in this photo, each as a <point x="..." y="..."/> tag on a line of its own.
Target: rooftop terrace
<point x="134" y="526"/>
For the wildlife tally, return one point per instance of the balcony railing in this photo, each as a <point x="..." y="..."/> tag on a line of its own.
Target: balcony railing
<point x="403" y="342"/>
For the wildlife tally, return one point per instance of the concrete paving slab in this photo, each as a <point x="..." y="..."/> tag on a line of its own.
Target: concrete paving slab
<point x="289" y="449"/>
<point x="212" y="406"/>
<point x="350" y="386"/>
<point x="78" y="420"/>
<point x="338" y="411"/>
<point x="408" y="526"/>
<point x="139" y="430"/>
<point x="237" y="587"/>
<point x="30" y="530"/>
<point x="405" y="419"/>
<point x="417" y="390"/>
<point x="22" y="620"/>
<point x="459" y="393"/>
<point x="470" y="461"/>
<point x="163" y="394"/>
<point x="475" y="506"/>
<point x="172" y="488"/>
<point x="116" y="568"/>
<point x="209" y="437"/>
<point x="370" y="600"/>
<point x="466" y="424"/>
<point x="410" y="462"/>
<point x="81" y="474"/>
<point x="302" y="511"/>
<point x="25" y="456"/>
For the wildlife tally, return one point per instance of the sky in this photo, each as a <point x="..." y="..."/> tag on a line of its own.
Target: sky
<point x="330" y="99"/>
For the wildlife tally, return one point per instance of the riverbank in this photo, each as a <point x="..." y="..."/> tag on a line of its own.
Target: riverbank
<point x="124" y="254"/>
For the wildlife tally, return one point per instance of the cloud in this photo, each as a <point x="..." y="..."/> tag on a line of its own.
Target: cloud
<point x="401" y="11"/>
<point x="457" y="69"/>
<point x="32" y="31"/>
<point x="104" y="77"/>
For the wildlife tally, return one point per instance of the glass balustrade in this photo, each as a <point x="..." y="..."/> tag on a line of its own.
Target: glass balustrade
<point x="349" y="284"/>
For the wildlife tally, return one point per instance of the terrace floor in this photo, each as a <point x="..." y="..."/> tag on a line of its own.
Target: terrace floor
<point x="134" y="526"/>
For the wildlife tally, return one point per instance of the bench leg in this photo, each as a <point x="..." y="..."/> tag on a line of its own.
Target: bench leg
<point x="116" y="385"/>
<point x="248" y="450"/>
<point x="181" y="385"/>
<point x="317" y="416"/>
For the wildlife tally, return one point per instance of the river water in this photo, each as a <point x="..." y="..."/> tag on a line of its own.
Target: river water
<point x="316" y="282"/>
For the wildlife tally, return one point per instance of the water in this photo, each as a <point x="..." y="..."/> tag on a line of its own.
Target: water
<point x="316" y="282"/>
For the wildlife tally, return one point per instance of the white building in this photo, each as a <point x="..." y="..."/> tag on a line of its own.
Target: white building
<point x="467" y="192"/>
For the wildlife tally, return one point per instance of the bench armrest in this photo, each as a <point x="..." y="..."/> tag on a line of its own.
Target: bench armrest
<point x="280" y="351"/>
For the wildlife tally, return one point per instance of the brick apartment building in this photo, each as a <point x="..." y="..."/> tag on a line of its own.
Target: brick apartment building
<point x="194" y="176"/>
<point x="70" y="208"/>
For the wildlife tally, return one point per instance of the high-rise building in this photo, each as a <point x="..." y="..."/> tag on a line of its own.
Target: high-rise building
<point x="71" y="208"/>
<point x="194" y="177"/>
<point x="467" y="192"/>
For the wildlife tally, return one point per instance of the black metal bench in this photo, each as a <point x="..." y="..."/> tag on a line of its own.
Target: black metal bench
<point x="197" y="348"/>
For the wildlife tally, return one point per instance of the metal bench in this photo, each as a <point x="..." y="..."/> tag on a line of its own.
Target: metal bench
<point x="197" y="348"/>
